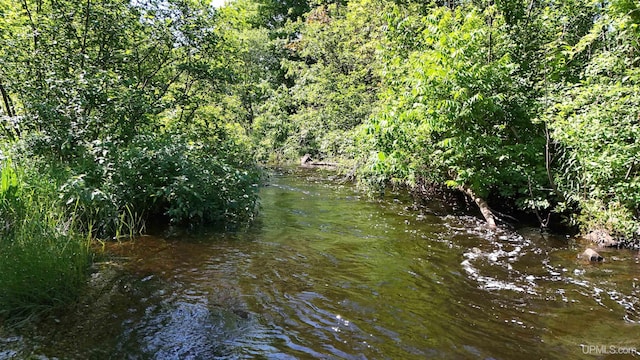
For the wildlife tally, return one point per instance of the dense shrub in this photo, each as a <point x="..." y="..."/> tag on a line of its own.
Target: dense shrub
<point x="166" y="176"/>
<point x="594" y="124"/>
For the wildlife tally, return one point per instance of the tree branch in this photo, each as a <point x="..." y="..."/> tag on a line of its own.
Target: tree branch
<point x="485" y="210"/>
<point x="8" y="105"/>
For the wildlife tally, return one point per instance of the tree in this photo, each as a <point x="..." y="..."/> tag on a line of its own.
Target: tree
<point x="452" y="112"/>
<point x="332" y="82"/>
<point x="273" y="14"/>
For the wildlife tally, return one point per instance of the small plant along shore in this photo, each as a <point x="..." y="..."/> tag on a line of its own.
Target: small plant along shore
<point x="120" y="112"/>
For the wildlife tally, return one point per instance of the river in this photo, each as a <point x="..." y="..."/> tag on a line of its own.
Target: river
<point x="327" y="273"/>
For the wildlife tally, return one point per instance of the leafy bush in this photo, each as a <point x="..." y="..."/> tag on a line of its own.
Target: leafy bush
<point x="594" y="122"/>
<point x="187" y="182"/>
<point x="596" y="125"/>
<point x="167" y="176"/>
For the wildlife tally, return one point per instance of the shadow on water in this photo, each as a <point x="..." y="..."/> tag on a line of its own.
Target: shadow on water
<point x="324" y="273"/>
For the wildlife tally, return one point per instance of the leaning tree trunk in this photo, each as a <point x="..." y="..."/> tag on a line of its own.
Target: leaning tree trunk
<point x="482" y="204"/>
<point x="7" y="101"/>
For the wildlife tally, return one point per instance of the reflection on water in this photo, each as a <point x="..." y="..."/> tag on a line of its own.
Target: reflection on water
<point x="326" y="274"/>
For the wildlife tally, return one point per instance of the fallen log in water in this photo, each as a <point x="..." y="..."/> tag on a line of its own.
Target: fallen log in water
<point x="307" y="162"/>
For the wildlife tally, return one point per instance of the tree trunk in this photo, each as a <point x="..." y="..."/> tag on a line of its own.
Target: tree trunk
<point x="484" y="207"/>
<point x="10" y="111"/>
<point x="83" y="50"/>
<point x="8" y="105"/>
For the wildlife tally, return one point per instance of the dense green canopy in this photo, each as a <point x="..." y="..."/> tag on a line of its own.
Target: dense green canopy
<point x="117" y="113"/>
<point x="162" y="109"/>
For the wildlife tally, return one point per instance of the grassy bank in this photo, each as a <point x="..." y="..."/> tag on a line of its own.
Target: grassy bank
<point x="43" y="262"/>
<point x="51" y="208"/>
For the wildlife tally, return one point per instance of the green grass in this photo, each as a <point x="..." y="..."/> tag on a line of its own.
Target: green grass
<point x="43" y="262"/>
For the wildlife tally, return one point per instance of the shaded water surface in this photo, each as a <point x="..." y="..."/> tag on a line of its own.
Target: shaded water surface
<point x="326" y="274"/>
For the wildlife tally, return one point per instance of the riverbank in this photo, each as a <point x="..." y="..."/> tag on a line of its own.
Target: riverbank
<point x="461" y="202"/>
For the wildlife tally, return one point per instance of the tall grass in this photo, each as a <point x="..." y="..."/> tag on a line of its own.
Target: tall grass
<point x="43" y="261"/>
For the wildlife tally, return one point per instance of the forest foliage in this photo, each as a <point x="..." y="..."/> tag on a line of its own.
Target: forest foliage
<point x="120" y="112"/>
<point x="529" y="105"/>
<point x="115" y="114"/>
<point x="120" y="100"/>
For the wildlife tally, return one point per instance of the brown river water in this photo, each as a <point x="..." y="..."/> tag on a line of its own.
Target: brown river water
<point x="327" y="273"/>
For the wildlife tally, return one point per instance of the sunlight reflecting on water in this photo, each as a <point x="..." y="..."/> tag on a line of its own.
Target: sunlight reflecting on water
<point x="327" y="273"/>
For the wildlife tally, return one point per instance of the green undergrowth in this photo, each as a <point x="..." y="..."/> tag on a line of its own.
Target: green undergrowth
<point x="114" y="189"/>
<point x="53" y="207"/>
<point x="43" y="261"/>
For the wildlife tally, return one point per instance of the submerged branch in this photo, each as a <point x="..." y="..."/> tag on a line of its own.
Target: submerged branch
<point x="485" y="210"/>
